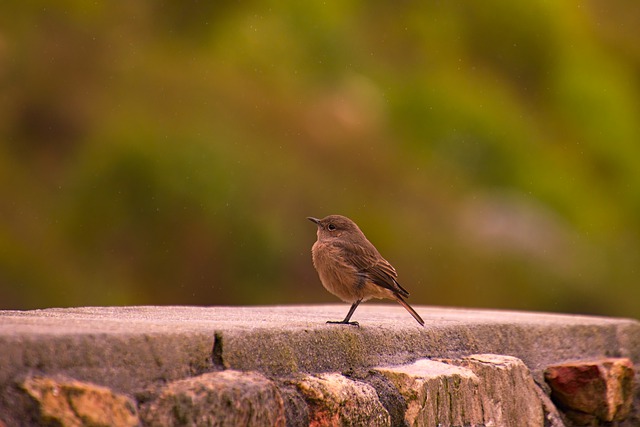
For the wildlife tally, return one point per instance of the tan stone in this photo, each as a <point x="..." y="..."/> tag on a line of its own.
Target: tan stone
<point x="508" y="392"/>
<point x="477" y="390"/>
<point x="229" y="397"/>
<point x="601" y="388"/>
<point x="436" y="393"/>
<point x="75" y="403"/>
<point x="334" y="399"/>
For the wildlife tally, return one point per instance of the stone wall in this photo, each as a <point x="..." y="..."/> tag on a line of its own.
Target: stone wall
<point x="284" y="366"/>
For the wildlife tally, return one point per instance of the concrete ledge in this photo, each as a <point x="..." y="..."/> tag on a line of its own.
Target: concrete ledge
<point x="131" y="350"/>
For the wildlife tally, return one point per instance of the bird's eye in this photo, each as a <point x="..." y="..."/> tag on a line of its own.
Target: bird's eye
<point x="331" y="227"/>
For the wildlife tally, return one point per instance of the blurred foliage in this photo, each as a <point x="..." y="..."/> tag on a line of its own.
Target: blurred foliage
<point x="160" y="152"/>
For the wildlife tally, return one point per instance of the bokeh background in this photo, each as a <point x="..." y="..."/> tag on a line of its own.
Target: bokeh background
<point x="157" y="152"/>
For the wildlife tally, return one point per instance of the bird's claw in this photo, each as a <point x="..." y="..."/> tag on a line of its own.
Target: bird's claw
<point x="342" y="322"/>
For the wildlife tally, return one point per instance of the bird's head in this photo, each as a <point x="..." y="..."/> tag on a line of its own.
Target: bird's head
<point x="334" y="226"/>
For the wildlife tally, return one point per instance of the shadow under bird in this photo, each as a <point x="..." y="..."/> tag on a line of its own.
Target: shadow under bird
<point x="351" y="268"/>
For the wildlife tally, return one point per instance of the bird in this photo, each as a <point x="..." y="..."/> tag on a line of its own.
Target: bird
<point x="351" y="268"/>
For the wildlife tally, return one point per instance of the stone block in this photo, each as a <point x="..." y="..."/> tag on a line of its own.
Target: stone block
<point x="475" y="390"/>
<point x="73" y="403"/>
<point x="601" y="388"/>
<point x="226" y="398"/>
<point x="508" y="393"/>
<point x="140" y="351"/>
<point x="334" y="399"/>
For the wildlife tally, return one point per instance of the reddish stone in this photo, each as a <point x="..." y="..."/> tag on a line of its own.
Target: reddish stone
<point x="602" y="388"/>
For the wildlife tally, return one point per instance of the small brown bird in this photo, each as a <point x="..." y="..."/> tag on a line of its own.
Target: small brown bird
<point x="351" y="268"/>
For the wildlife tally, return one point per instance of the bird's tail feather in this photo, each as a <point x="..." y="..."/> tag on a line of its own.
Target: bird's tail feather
<point x="410" y="310"/>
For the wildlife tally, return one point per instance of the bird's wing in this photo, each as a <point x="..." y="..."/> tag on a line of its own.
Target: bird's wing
<point x="370" y="263"/>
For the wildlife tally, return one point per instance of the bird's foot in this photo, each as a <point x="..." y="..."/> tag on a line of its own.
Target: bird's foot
<point x="342" y="322"/>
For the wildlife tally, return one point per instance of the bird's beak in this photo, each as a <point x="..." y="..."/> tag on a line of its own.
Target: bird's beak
<point x="312" y="219"/>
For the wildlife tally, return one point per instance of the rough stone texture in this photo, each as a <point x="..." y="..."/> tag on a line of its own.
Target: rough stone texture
<point x="552" y="416"/>
<point x="130" y="349"/>
<point x="295" y="407"/>
<point x="334" y="399"/>
<point x="73" y="403"/>
<point x="508" y="393"/>
<point x="597" y="388"/>
<point x="388" y="394"/>
<point x="227" y="398"/>
<point x="136" y="345"/>
<point x="437" y="393"/>
<point x="475" y="390"/>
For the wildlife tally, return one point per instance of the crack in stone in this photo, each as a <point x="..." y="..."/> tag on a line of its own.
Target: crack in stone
<point x="216" y="352"/>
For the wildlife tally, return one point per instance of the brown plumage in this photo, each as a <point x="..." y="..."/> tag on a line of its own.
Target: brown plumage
<point x="351" y="268"/>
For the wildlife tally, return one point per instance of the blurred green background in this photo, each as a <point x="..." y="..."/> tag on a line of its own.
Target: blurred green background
<point x="159" y="152"/>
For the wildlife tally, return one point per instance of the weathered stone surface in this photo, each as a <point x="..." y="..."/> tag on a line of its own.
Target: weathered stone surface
<point x="388" y="394"/>
<point x="334" y="399"/>
<point x="552" y="416"/>
<point x="133" y="346"/>
<point x="74" y="403"/>
<point x="437" y="393"/>
<point x="600" y="388"/>
<point x="295" y="407"/>
<point x="129" y="349"/>
<point x="508" y="393"/>
<point x="226" y="398"/>
<point x="476" y="390"/>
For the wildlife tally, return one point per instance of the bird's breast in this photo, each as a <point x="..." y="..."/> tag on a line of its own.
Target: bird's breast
<point x="337" y="275"/>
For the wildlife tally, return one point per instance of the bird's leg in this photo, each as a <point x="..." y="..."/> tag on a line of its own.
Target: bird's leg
<point x="349" y="314"/>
